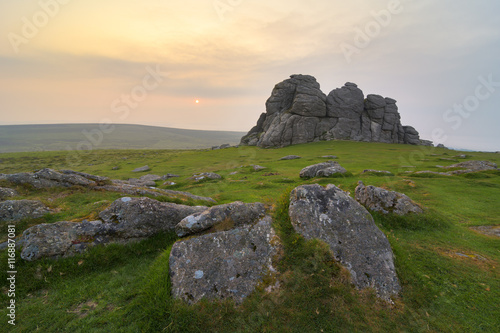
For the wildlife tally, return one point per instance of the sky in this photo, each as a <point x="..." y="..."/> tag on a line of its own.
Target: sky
<point x="149" y="62"/>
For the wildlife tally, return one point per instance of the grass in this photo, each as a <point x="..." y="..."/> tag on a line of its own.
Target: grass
<point x="448" y="272"/>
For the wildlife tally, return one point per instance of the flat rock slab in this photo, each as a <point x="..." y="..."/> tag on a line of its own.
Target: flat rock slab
<point x="144" y="217"/>
<point x="206" y="175"/>
<point x="381" y="200"/>
<point x="489" y="230"/>
<point x="222" y="217"/>
<point x="142" y="169"/>
<point x="325" y="169"/>
<point x="331" y="215"/>
<point x="226" y="264"/>
<point x="48" y="178"/>
<point x="16" y="210"/>
<point x="290" y="157"/>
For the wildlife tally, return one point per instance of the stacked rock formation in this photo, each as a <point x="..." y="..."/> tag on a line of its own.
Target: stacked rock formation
<point x="299" y="112"/>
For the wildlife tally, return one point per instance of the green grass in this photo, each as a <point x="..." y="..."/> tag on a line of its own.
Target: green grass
<point x="449" y="273"/>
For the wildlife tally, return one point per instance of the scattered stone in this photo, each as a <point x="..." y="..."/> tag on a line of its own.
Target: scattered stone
<point x="489" y="230"/>
<point x="224" y="146"/>
<point x="169" y="183"/>
<point x="378" y="172"/>
<point x="226" y="264"/>
<point x="473" y="166"/>
<point x="141" y="183"/>
<point x="116" y="168"/>
<point x="333" y="157"/>
<point x="48" y="178"/>
<point x="16" y="210"/>
<point x="325" y="169"/>
<point x="427" y="172"/>
<point x="7" y="193"/>
<point x="222" y="217"/>
<point x="290" y="157"/>
<point x="150" y="178"/>
<point x="384" y="201"/>
<point x="332" y="216"/>
<point x="206" y="175"/>
<point x="142" y="169"/>
<point x="258" y="167"/>
<point x="233" y="173"/>
<point x="463" y="156"/>
<point x="168" y="176"/>
<point x="299" y="112"/>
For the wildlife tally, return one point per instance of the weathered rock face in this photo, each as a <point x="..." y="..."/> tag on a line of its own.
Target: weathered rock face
<point x="331" y="215"/>
<point x="298" y="112"/>
<point x="16" y="210"/>
<point x="384" y="201"/>
<point x="226" y="264"/>
<point x="222" y="217"/>
<point x="325" y="169"/>
<point x="7" y="193"/>
<point x="48" y="178"/>
<point x="144" y="217"/>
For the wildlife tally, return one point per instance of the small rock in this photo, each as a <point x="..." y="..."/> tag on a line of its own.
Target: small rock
<point x="142" y="169"/>
<point x="168" y="176"/>
<point x="378" y="171"/>
<point x="384" y="201"/>
<point x="169" y="183"/>
<point x="326" y="169"/>
<point x="333" y="157"/>
<point x="233" y="173"/>
<point x="116" y="168"/>
<point x="206" y="175"/>
<point x="290" y="157"/>
<point x="150" y="178"/>
<point x="258" y="167"/>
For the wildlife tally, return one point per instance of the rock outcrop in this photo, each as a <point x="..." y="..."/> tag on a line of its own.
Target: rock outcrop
<point x="299" y="112"/>
<point x="226" y="264"/>
<point x="331" y="215"/>
<point x="16" y="210"/>
<point x="381" y="200"/>
<point x="7" y="193"/>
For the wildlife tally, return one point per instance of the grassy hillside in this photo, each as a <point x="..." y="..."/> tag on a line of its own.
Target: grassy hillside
<point x="449" y="273"/>
<point x="28" y="138"/>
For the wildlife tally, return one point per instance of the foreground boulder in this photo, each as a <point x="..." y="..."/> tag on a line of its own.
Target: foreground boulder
<point x="384" y="201"/>
<point x="16" y="210"/>
<point x="222" y="217"/>
<point x="299" y="112"/>
<point x="226" y="264"/>
<point x="331" y="215"/>
<point x="144" y="217"/>
<point x="325" y="169"/>
<point x="126" y="220"/>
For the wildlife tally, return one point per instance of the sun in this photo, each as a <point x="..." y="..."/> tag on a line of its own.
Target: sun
<point x="197" y="101"/>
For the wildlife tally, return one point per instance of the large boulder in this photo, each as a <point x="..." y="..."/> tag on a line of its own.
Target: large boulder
<point x="298" y="112"/>
<point x="331" y="215"/>
<point x="16" y="210"/>
<point x="384" y="201"/>
<point x="144" y="217"/>
<point x="222" y="217"/>
<point x="325" y="169"/>
<point x="226" y="264"/>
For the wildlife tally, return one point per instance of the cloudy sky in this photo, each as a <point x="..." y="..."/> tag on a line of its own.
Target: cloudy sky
<point x="149" y="61"/>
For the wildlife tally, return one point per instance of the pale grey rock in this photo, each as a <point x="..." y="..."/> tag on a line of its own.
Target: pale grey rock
<point x="290" y="157"/>
<point x="222" y="217"/>
<point x="206" y="175"/>
<point x="142" y="169"/>
<point x="384" y="172"/>
<point x="16" y="210"/>
<point x="168" y="176"/>
<point x="473" y="166"/>
<point x="333" y="157"/>
<point x="381" y="200"/>
<point x="48" y="178"/>
<point x="325" y="169"/>
<point x="224" y="265"/>
<point x="331" y="215"/>
<point x="258" y="167"/>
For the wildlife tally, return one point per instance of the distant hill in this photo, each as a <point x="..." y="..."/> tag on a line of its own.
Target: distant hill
<point x="26" y="138"/>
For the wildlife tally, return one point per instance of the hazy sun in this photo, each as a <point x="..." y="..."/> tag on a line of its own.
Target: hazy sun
<point x="197" y="101"/>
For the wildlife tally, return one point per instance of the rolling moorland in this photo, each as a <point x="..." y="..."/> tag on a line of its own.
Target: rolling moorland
<point x="27" y="138"/>
<point x="449" y="273"/>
